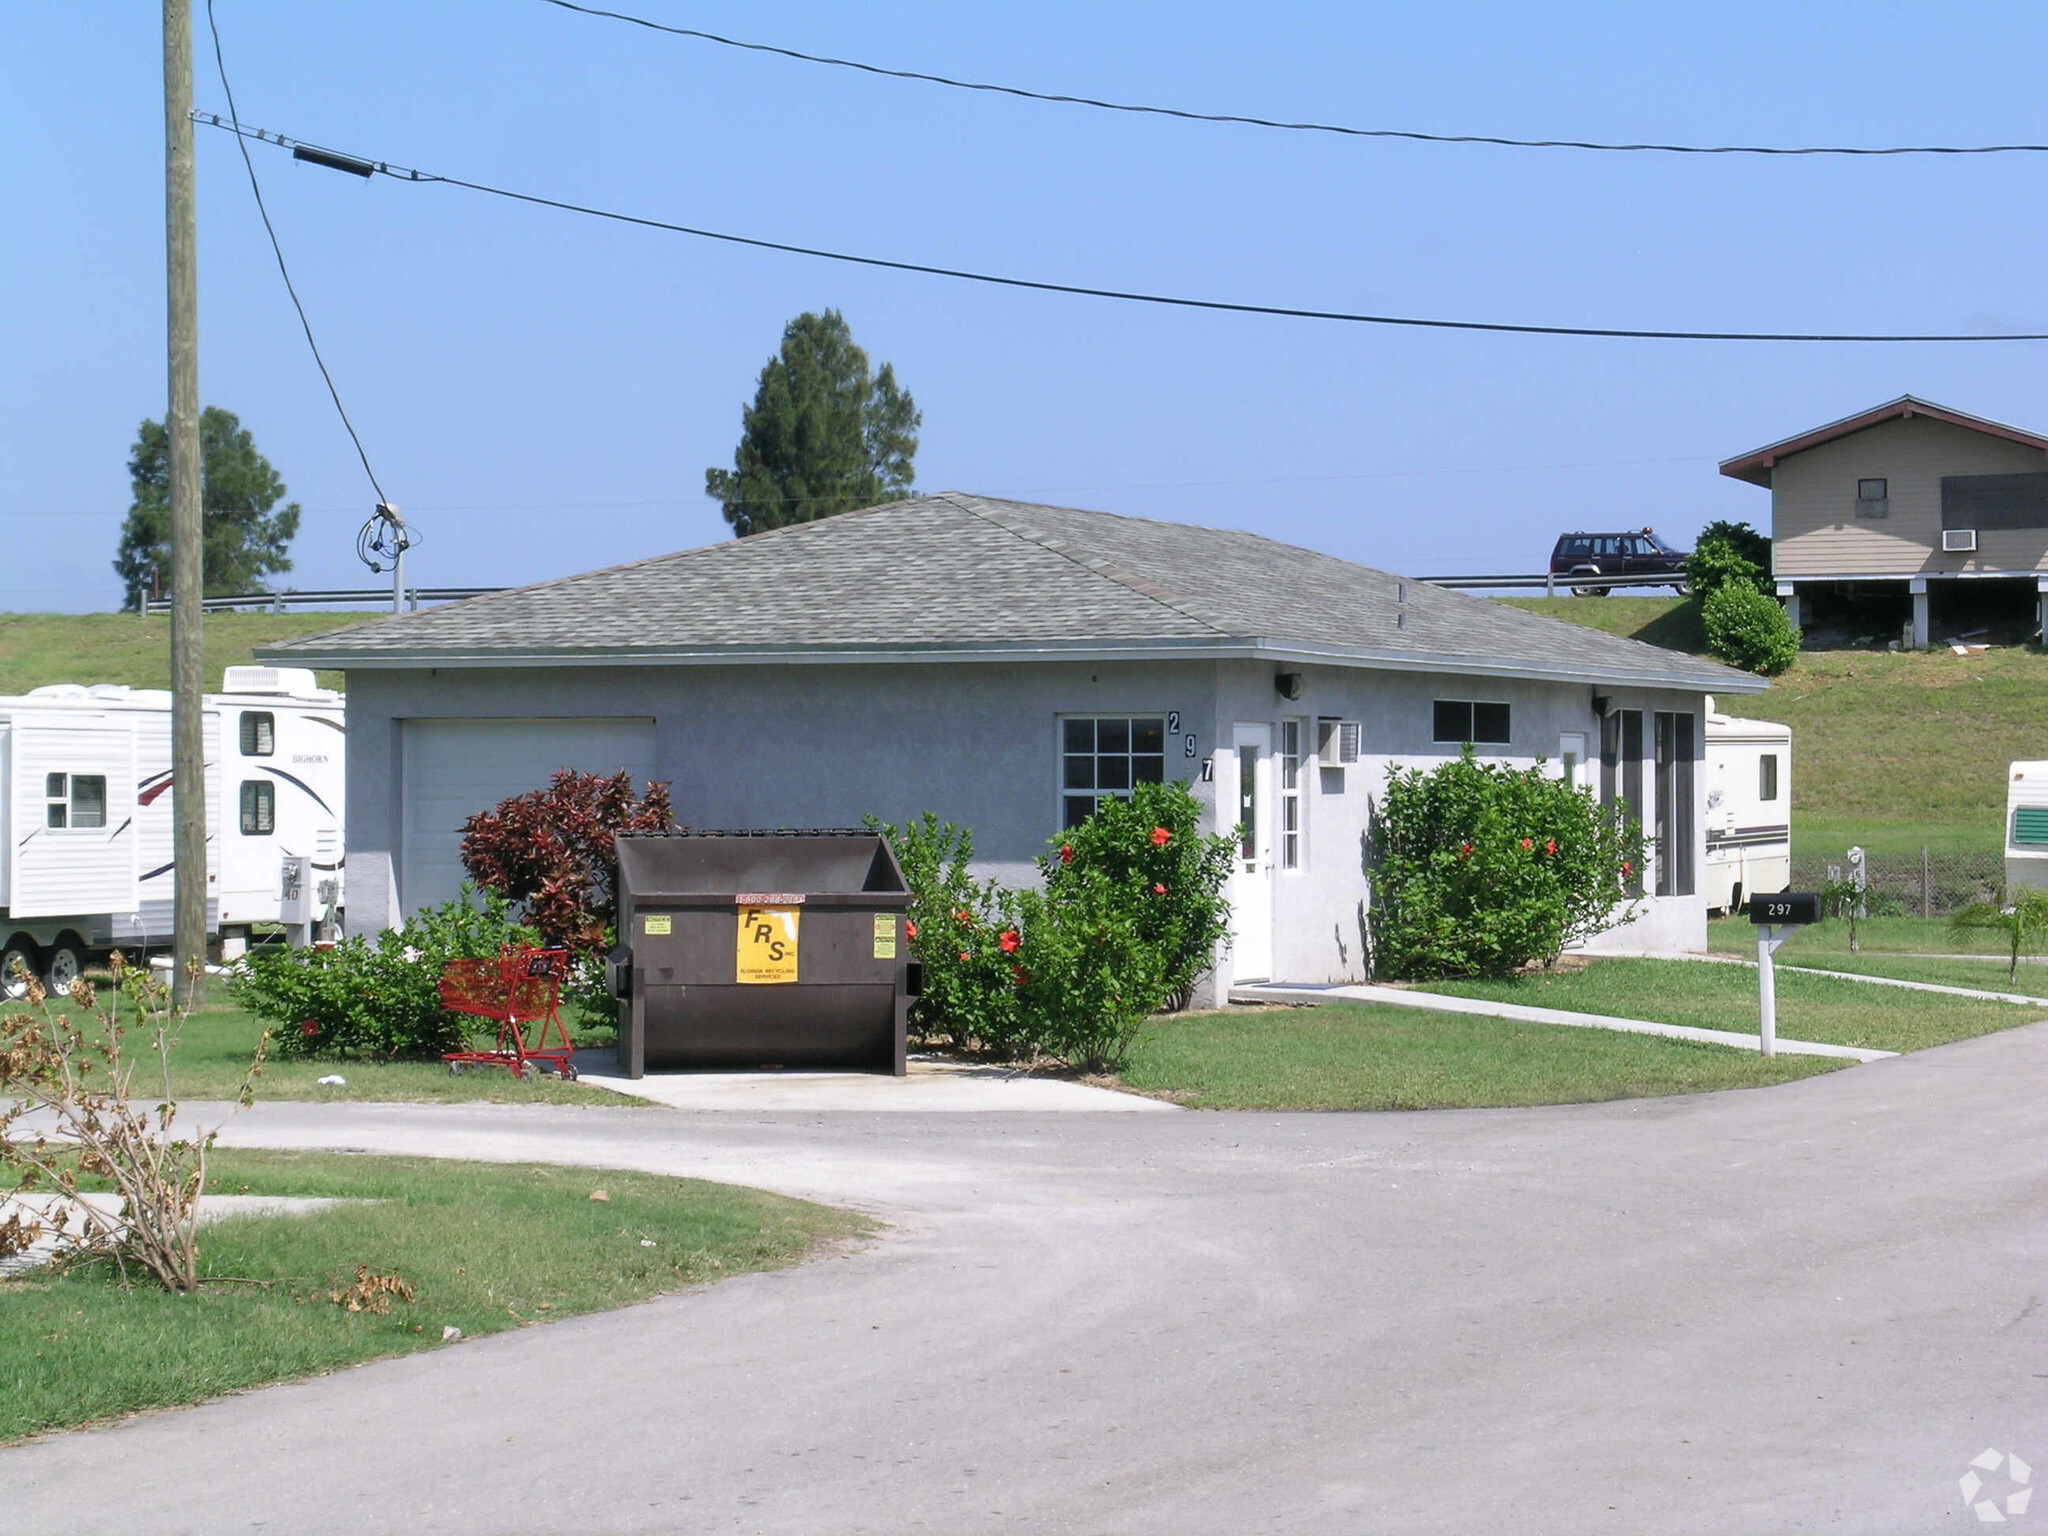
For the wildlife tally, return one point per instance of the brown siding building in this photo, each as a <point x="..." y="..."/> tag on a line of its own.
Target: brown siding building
<point x="1908" y="493"/>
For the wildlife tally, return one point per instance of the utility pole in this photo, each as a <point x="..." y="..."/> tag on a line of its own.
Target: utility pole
<point x="188" y="657"/>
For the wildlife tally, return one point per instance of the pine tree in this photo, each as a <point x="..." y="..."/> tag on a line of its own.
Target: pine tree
<point x="244" y="540"/>
<point x="823" y="435"/>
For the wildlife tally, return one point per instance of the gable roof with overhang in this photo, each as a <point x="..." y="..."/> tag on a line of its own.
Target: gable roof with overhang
<point x="1756" y="466"/>
<point x="952" y="577"/>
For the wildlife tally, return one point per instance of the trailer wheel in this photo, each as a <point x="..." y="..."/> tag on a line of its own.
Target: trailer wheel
<point x="19" y="960"/>
<point x="65" y="965"/>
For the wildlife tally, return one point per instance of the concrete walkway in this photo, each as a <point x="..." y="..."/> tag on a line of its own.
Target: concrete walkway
<point x="932" y="1084"/>
<point x="63" y="1221"/>
<point x="1441" y="1002"/>
<point x="1798" y="1308"/>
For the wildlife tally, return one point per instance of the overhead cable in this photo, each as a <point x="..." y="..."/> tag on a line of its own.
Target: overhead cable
<point x="1128" y="296"/>
<point x="241" y="142"/>
<point x="1246" y="120"/>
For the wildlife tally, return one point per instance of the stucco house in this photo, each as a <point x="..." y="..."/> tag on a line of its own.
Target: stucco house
<point x="1932" y="503"/>
<point x="1004" y="664"/>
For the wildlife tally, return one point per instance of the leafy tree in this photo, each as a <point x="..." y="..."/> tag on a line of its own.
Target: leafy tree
<point x="1743" y="539"/>
<point x="245" y="539"/>
<point x="1728" y="553"/>
<point x="2022" y="921"/>
<point x="824" y="435"/>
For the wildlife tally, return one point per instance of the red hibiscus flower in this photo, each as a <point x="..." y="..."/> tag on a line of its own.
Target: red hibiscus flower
<point x="309" y="1029"/>
<point x="1551" y="847"/>
<point x="964" y="955"/>
<point x="1066" y="853"/>
<point x="1528" y="842"/>
<point x="1627" y="868"/>
<point x="909" y="929"/>
<point x="1161" y="837"/>
<point x="962" y="917"/>
<point x="1017" y="974"/>
<point x="1464" y="850"/>
<point x="1009" y="941"/>
<point x="1158" y="890"/>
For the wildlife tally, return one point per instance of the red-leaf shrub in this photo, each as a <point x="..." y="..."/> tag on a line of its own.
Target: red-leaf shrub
<point x="552" y="851"/>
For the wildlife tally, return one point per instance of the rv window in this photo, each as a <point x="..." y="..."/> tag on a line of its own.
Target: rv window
<point x="88" y="800"/>
<point x="259" y="807"/>
<point x="56" y="789"/>
<point x="1767" y="776"/>
<point x="259" y="733"/>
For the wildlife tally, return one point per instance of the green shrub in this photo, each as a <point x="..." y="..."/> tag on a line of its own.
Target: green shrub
<point x="1480" y="869"/>
<point x="1745" y="626"/>
<point x="377" y="999"/>
<point x="1125" y="923"/>
<point x="1728" y="554"/>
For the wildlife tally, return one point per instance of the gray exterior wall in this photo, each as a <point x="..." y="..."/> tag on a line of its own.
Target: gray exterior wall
<point x="822" y="745"/>
<point x="1813" y="504"/>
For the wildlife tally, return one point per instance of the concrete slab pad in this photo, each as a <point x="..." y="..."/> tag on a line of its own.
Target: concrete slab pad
<point x="932" y="1084"/>
<point x="62" y="1220"/>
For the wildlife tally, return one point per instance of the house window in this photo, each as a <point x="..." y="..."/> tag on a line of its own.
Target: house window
<point x="1674" y="826"/>
<point x="1767" y="776"/>
<point x="1290" y="794"/>
<point x="1105" y="757"/>
<point x="259" y="733"/>
<point x="75" y="800"/>
<point x="1621" y="776"/>
<point x="259" y="808"/>
<point x="1461" y="721"/>
<point x="1872" y="498"/>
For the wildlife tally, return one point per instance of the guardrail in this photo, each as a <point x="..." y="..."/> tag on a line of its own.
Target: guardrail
<point x="364" y="597"/>
<point x="1550" y="584"/>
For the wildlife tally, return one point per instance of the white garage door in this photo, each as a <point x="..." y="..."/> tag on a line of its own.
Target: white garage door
<point x="455" y="768"/>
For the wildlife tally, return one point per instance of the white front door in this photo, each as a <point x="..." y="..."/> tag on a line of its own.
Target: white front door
<point x="1251" y="883"/>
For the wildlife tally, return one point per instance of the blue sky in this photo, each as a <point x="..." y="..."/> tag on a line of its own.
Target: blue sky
<point x="542" y="393"/>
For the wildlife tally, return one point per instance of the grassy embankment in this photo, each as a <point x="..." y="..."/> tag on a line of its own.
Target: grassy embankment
<point x="38" y="648"/>
<point x="1890" y="749"/>
<point x="1347" y="1056"/>
<point x="486" y="1247"/>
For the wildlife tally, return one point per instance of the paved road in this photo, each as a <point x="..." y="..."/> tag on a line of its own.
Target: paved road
<point x="1804" y="1308"/>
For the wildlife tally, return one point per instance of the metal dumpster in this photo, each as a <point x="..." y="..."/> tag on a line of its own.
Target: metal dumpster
<point x="753" y="949"/>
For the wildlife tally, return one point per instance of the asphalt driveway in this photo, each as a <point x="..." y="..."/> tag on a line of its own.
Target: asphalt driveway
<point x="1801" y="1308"/>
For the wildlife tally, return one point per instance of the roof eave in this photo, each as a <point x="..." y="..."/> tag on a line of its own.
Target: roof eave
<point x="1756" y="466"/>
<point x="1222" y="648"/>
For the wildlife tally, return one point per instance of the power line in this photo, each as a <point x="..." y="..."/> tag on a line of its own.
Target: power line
<point x="1268" y="122"/>
<point x="241" y="142"/>
<point x="364" y="166"/>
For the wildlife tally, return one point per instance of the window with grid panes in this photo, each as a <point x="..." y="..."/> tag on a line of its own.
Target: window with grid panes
<point x="1104" y="755"/>
<point x="1290" y="794"/>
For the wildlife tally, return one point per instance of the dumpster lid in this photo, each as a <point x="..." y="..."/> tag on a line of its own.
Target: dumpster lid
<point x="766" y="868"/>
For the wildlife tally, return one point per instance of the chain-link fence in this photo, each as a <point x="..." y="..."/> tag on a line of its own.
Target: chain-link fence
<point x="1930" y="883"/>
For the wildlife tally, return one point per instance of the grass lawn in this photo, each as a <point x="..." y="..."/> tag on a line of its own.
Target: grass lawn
<point x="1359" y="1056"/>
<point x="38" y="648"/>
<point x="486" y="1247"/>
<point x="1709" y="996"/>
<point x="1890" y="749"/>
<point x="1893" y="946"/>
<point x="213" y="1048"/>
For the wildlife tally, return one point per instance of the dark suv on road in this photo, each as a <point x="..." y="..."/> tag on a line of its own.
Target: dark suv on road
<point x="1636" y="554"/>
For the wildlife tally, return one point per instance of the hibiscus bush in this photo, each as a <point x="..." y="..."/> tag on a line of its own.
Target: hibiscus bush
<point x="1125" y="922"/>
<point x="379" y="999"/>
<point x="1480" y="869"/>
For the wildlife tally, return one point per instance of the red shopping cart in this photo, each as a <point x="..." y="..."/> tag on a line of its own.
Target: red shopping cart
<point x="514" y="988"/>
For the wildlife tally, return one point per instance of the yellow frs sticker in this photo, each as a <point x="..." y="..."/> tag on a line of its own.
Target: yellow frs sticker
<point x="885" y="936"/>
<point x="767" y="944"/>
<point x="658" y="923"/>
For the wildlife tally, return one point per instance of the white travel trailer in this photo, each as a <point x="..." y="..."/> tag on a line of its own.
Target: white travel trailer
<point x="1749" y="810"/>
<point x="2026" y="825"/>
<point x="85" y="812"/>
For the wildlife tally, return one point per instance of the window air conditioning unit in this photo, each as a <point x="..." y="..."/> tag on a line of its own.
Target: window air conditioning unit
<point x="1958" y="541"/>
<point x="1337" y="742"/>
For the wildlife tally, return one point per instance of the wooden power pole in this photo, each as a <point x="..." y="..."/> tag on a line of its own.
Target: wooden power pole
<point x="188" y="658"/>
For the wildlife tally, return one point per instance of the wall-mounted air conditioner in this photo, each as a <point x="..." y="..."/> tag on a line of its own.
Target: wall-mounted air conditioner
<point x="1958" y="541"/>
<point x="1337" y="742"/>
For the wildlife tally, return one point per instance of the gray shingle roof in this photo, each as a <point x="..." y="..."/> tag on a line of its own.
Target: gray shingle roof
<point x="953" y="574"/>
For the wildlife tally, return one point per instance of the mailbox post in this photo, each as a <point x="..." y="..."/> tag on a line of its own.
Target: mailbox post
<point x="1774" y="918"/>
